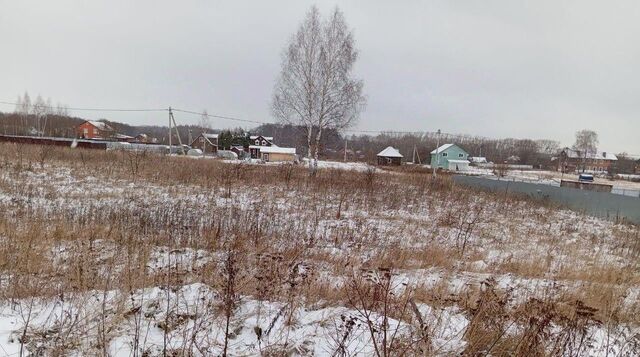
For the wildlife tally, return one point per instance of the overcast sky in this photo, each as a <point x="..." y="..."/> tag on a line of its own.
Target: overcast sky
<point x="524" y="69"/>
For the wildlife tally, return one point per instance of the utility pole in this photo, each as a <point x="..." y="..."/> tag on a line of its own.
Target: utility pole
<point x="437" y="154"/>
<point x="172" y="119"/>
<point x="170" y="115"/>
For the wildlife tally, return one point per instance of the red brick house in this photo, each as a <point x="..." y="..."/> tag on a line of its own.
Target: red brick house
<point x="91" y="129"/>
<point x="574" y="160"/>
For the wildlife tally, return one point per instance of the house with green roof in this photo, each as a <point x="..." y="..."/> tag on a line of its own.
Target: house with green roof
<point x="450" y="157"/>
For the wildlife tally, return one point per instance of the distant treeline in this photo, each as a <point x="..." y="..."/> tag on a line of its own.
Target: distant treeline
<point x="358" y="147"/>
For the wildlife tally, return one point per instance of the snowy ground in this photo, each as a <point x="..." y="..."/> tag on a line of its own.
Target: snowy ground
<point x="450" y="243"/>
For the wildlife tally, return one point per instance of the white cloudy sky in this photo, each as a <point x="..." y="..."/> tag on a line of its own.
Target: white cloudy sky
<point x="538" y="69"/>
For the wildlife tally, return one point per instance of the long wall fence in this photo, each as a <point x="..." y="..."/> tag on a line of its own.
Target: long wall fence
<point x="599" y="204"/>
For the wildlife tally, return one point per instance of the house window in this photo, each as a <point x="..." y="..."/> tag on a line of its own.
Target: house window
<point x="95" y="131"/>
<point x="257" y="142"/>
<point x="444" y="154"/>
<point x="388" y="160"/>
<point x="85" y="131"/>
<point x="460" y="155"/>
<point x="264" y="143"/>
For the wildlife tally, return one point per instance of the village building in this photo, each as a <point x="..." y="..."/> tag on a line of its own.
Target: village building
<point x="258" y="142"/>
<point x="450" y="157"/>
<point x="239" y="150"/>
<point x="277" y="154"/>
<point x="478" y="160"/>
<point x="390" y="156"/>
<point x="92" y="129"/>
<point x="143" y="139"/>
<point x="122" y="137"/>
<point x="513" y="159"/>
<point x="571" y="160"/>
<point x="637" y="169"/>
<point x="206" y="142"/>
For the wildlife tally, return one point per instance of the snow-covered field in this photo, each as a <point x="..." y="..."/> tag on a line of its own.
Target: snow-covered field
<point x="96" y="260"/>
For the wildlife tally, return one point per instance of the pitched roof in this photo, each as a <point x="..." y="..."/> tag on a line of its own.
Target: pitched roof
<point x="100" y="125"/>
<point x="390" y="151"/>
<point x="576" y="154"/>
<point x="442" y="148"/>
<point x="254" y="137"/>
<point x="478" y="159"/>
<point x="277" y="150"/>
<point x="207" y="137"/>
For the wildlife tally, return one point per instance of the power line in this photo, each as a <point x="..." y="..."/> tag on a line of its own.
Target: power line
<point x="98" y="109"/>
<point x="220" y="116"/>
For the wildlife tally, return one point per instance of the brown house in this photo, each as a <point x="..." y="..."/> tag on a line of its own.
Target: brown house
<point x="91" y="129"/>
<point x="390" y="156"/>
<point x="257" y="142"/>
<point x="571" y="160"/>
<point x="206" y="142"/>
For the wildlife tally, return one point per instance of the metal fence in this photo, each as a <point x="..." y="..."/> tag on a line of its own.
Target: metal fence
<point x="599" y="204"/>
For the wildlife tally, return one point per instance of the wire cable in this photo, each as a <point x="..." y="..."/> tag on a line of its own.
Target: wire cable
<point x="99" y="109"/>
<point x="219" y="116"/>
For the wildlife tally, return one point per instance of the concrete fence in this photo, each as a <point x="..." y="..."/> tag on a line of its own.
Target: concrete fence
<point x="599" y="204"/>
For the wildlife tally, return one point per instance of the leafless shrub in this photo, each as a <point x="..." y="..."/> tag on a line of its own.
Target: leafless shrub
<point x="377" y="300"/>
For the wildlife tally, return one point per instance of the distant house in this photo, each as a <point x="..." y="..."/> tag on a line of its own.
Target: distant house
<point x="450" y="157"/>
<point x="206" y="142"/>
<point x="92" y="129"/>
<point x="513" y="159"/>
<point x="257" y="142"/>
<point x="275" y="153"/>
<point x="239" y="150"/>
<point x="478" y="160"/>
<point x="571" y="160"/>
<point x="122" y="137"/>
<point x="143" y="139"/>
<point x="389" y="156"/>
<point x="637" y="169"/>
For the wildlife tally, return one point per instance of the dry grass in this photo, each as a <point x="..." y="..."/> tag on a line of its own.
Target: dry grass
<point x="299" y="240"/>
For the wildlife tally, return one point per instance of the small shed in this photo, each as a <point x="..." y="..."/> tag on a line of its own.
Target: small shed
<point x="390" y="156"/>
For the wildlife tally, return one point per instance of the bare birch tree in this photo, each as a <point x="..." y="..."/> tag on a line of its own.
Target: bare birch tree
<point x="40" y="112"/>
<point x="586" y="144"/>
<point x="205" y="121"/>
<point x="316" y="88"/>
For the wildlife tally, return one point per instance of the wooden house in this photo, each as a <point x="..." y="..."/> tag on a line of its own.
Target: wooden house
<point x="277" y="154"/>
<point x="257" y="142"/>
<point x="206" y="142"/>
<point x="390" y="156"/>
<point x="450" y="157"/>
